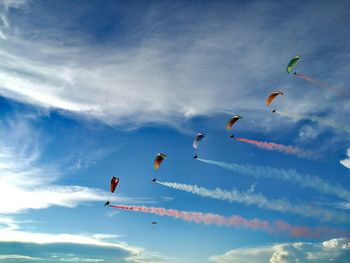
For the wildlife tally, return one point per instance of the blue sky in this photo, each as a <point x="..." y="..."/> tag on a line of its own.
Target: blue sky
<point x="91" y="90"/>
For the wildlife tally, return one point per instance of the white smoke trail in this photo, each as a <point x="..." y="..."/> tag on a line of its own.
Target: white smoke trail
<point x="290" y="175"/>
<point x="260" y="201"/>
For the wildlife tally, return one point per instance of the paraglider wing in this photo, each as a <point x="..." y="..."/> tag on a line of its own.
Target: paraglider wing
<point x="158" y="160"/>
<point x="272" y="96"/>
<point x="232" y="121"/>
<point x="197" y="139"/>
<point x="114" y="183"/>
<point x="292" y="63"/>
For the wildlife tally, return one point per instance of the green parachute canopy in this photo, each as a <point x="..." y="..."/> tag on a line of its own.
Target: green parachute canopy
<point x="292" y="63"/>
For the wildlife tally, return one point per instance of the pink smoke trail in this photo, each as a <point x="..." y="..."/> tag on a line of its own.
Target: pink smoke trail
<point x="321" y="84"/>
<point x="198" y="217"/>
<point x="310" y="232"/>
<point x="271" y="146"/>
<point x="238" y="221"/>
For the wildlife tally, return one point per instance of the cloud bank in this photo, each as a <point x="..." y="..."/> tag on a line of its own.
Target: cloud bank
<point x="334" y="250"/>
<point x="106" y="248"/>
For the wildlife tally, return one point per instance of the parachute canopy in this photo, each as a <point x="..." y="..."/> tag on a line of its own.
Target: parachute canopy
<point x="272" y="96"/>
<point x="159" y="159"/>
<point x="232" y="121"/>
<point x="114" y="183"/>
<point x="197" y="139"/>
<point x="292" y="63"/>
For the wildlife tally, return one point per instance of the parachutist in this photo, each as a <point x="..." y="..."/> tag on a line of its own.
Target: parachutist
<point x="107" y="203"/>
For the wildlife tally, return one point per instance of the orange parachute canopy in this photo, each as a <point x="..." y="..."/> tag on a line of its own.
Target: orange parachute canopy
<point x="232" y="121"/>
<point x="114" y="183"/>
<point x="272" y="96"/>
<point x="158" y="160"/>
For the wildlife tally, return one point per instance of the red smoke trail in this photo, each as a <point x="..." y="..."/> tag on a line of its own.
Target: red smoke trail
<point x="276" y="147"/>
<point x="238" y="221"/>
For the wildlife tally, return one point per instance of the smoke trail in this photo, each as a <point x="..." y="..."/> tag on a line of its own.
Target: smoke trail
<point x="259" y="200"/>
<point x="313" y="118"/>
<point x="322" y="85"/>
<point x="278" y="147"/>
<point x="314" y="81"/>
<point x="237" y="221"/>
<point x="304" y="180"/>
<point x="198" y="217"/>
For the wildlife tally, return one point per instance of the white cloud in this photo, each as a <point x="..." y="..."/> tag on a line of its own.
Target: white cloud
<point x="307" y="133"/>
<point x="9" y="233"/>
<point x="25" y="183"/>
<point x="346" y="161"/>
<point x="13" y="3"/>
<point x="19" y="257"/>
<point x="334" y="250"/>
<point x="164" y="78"/>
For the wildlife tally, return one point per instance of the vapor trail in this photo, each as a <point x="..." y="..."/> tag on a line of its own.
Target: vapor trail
<point x="238" y="221"/>
<point x="259" y="200"/>
<point x="323" y="121"/>
<point x="278" y="147"/>
<point x="304" y="180"/>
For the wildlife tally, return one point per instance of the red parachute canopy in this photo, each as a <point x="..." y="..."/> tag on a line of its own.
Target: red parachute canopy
<point x="114" y="183"/>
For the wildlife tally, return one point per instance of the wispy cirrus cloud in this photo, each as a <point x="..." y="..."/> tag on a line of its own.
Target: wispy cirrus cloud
<point x="26" y="182"/>
<point x="157" y="75"/>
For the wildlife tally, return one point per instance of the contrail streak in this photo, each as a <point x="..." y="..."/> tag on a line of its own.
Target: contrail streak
<point x="304" y="180"/>
<point x="271" y="146"/>
<point x="238" y="221"/>
<point x="323" y="121"/>
<point x="260" y="201"/>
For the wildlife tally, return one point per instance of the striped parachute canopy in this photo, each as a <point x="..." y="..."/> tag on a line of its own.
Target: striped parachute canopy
<point x="158" y="160"/>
